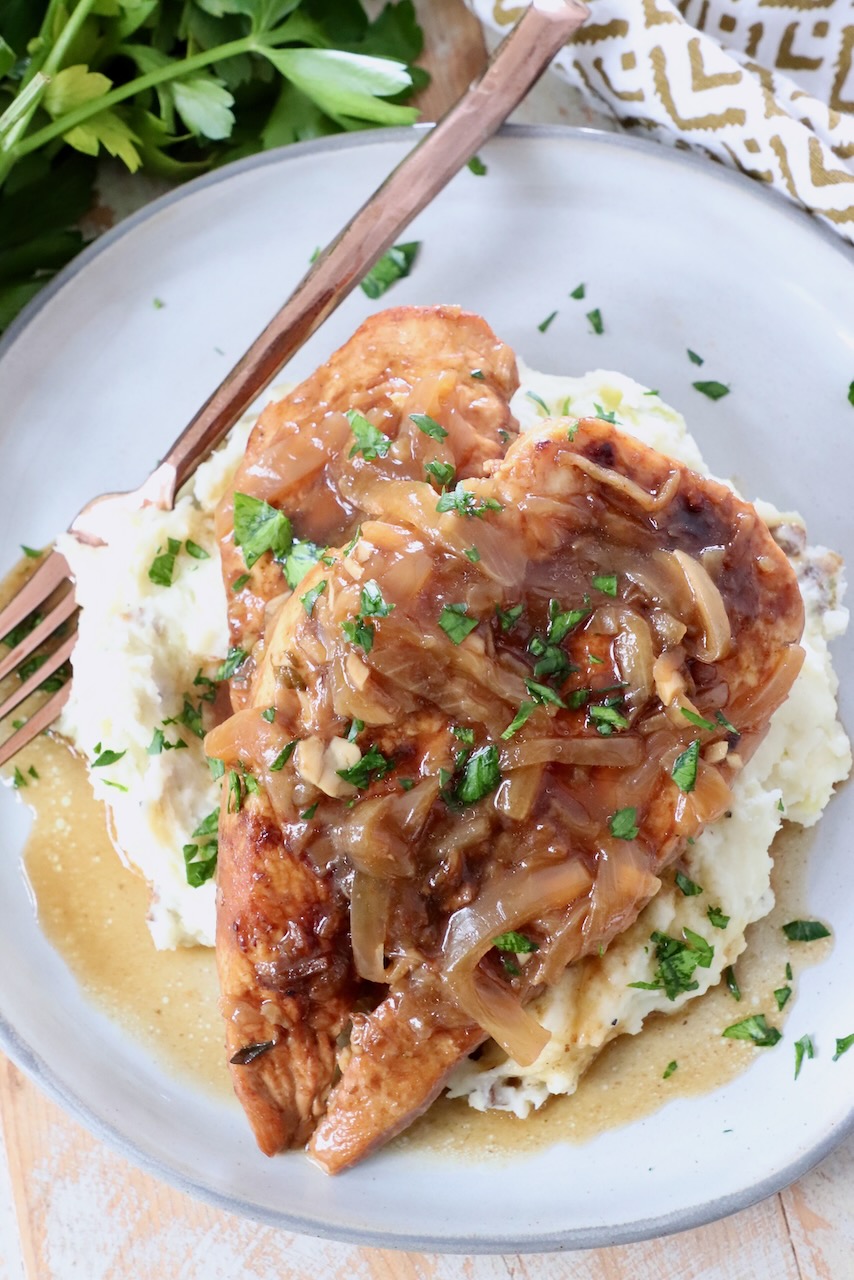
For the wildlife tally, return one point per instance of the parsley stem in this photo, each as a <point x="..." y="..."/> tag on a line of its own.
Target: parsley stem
<point x="174" y="71"/>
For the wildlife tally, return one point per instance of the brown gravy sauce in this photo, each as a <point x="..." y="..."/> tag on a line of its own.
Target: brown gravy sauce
<point x="93" y="908"/>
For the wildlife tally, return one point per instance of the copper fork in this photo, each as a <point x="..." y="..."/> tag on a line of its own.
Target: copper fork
<point x="517" y="64"/>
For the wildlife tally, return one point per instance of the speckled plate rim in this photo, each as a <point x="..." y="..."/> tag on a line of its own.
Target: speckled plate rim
<point x="43" y="1074"/>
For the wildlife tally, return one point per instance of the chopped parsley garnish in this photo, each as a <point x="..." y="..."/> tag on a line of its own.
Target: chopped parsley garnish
<point x="477" y="167"/>
<point x="269" y="715"/>
<point x="727" y="724"/>
<point x="442" y="472"/>
<point x="406" y="784"/>
<point x="204" y="682"/>
<point x="510" y="966"/>
<point x="788" y="972"/>
<point x="623" y="824"/>
<point x="308" y="814"/>
<point x="359" y="632"/>
<point x="118" y="786"/>
<point x="159" y="743"/>
<point x="714" y="390"/>
<point x="539" y="402"/>
<point x="515" y="942"/>
<point x="372" y="765"/>
<point x="578" y="292"/>
<point x="805" y="930"/>
<point x="428" y="425"/>
<point x="669" y="1069"/>
<point x="561" y="623"/>
<point x="30" y="552"/>
<point x="782" y="995"/>
<point x="33" y="772"/>
<point x="466" y="503"/>
<point x="348" y="550"/>
<point x="543" y="694"/>
<point x="197" y="552"/>
<point x="104" y="758"/>
<point x="372" y="602"/>
<point x="693" y="357"/>
<point x="606" y="719"/>
<point x="258" y="527"/>
<point x="578" y="698"/>
<point x="697" y="721"/>
<point x="850" y="401"/>
<point x="606" y="582"/>
<point x="356" y="727"/>
<point x="689" y="887"/>
<point x="284" y="756"/>
<point x="481" y="775"/>
<point x="595" y="318"/>
<point x="250" y="1052"/>
<point x="200" y="857"/>
<point x="236" y="792"/>
<point x="217" y="767"/>
<point x="478" y="375"/>
<point x="544" y="324"/>
<point x="845" y="1043"/>
<point x="233" y="663"/>
<point x="551" y="659"/>
<point x="464" y="735"/>
<point x="18" y="779"/>
<point x="677" y="962"/>
<point x="508" y="618"/>
<point x="756" y="1029"/>
<point x="592" y="657"/>
<point x="732" y="983"/>
<point x="717" y="919"/>
<point x="472" y="553"/>
<point x="310" y="598"/>
<point x="804" y="1048"/>
<point x="240" y="583"/>
<point x="371" y="443"/>
<point x="605" y="415"/>
<point x="302" y="556"/>
<point x="392" y="266"/>
<point x="163" y="565"/>
<point x="456" y="623"/>
<point x="521" y="716"/>
<point x="684" y="771"/>
<point x="190" y="717"/>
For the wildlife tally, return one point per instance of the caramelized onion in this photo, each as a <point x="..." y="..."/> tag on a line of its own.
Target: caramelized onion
<point x="518" y="792"/>
<point x="709" y="605"/>
<point x="369" y="904"/>
<point x="619" y="751"/>
<point x="501" y="1015"/>
<point x="380" y="834"/>
<point x="623" y="885"/>
<point x="625" y="486"/>
<point x="757" y="706"/>
<point x="632" y="649"/>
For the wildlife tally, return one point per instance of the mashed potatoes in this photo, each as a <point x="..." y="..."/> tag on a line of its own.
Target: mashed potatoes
<point x="142" y="646"/>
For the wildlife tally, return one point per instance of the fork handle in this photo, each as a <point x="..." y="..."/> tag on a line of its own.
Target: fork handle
<point x="518" y="63"/>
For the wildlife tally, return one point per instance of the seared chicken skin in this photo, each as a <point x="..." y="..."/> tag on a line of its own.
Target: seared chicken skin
<point x="499" y="713"/>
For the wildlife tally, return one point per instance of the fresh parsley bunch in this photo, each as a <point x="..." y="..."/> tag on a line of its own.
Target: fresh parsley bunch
<point x="175" y="87"/>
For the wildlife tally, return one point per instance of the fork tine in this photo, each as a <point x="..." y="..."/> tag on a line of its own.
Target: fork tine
<point x="39" y="634"/>
<point x="53" y="663"/>
<point x="35" y="591"/>
<point x="40" y="719"/>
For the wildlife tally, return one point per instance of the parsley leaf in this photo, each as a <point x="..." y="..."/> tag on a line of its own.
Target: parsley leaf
<point x="714" y="390"/>
<point x="542" y="693"/>
<point x="684" y="771"/>
<point x="754" y="1028"/>
<point x="481" y="775"/>
<point x="371" y="443"/>
<point x="269" y="714"/>
<point x="677" y="962"/>
<point x="577" y="292"/>
<point x="428" y="425"/>
<point x="284" y="756"/>
<point x="302" y="556"/>
<point x="372" y="602"/>
<point x="359" y="632"/>
<point x="197" y="552"/>
<point x="466" y="503"/>
<point x="104" y="758"/>
<point x="163" y="565"/>
<point x="472" y="553"/>
<point x="805" y="930"/>
<point x="804" y="1048"/>
<point x="477" y="167"/>
<point x="463" y="734"/>
<point x="623" y="824"/>
<point x="508" y="618"/>
<point x="442" y="472"/>
<point x="233" y="663"/>
<point x="561" y="623"/>
<point x="542" y="407"/>
<point x="258" y="527"/>
<point x="372" y="765"/>
<point x="606" y="582"/>
<point x="697" y="721"/>
<point x="522" y="715"/>
<point x="544" y="324"/>
<point x="717" y="918"/>
<point x="607" y="719"/>
<point x="689" y="887"/>
<point x="694" y="358"/>
<point x="200" y="857"/>
<point x="356" y="727"/>
<point x="309" y="600"/>
<point x="732" y="983"/>
<point x="669" y="1069"/>
<point x="596" y="323"/>
<point x="392" y="266"/>
<point x="845" y="1043"/>
<point x="456" y="623"/>
<point x="515" y="942"/>
<point x="782" y="995"/>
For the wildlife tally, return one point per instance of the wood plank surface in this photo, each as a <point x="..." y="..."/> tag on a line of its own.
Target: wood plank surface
<point x="72" y="1209"/>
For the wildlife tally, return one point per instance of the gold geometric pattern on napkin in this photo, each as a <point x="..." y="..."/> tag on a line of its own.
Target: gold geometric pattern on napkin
<point x="765" y="86"/>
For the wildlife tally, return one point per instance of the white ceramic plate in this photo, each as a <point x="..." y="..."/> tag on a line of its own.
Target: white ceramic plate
<point x="95" y="381"/>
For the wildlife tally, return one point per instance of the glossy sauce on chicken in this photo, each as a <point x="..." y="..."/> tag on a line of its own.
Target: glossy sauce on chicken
<point x="473" y="739"/>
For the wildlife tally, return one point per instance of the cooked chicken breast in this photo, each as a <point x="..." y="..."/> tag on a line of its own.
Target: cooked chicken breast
<point x="508" y="708"/>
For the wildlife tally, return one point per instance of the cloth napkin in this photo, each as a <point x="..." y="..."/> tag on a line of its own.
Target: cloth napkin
<point x="765" y="86"/>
